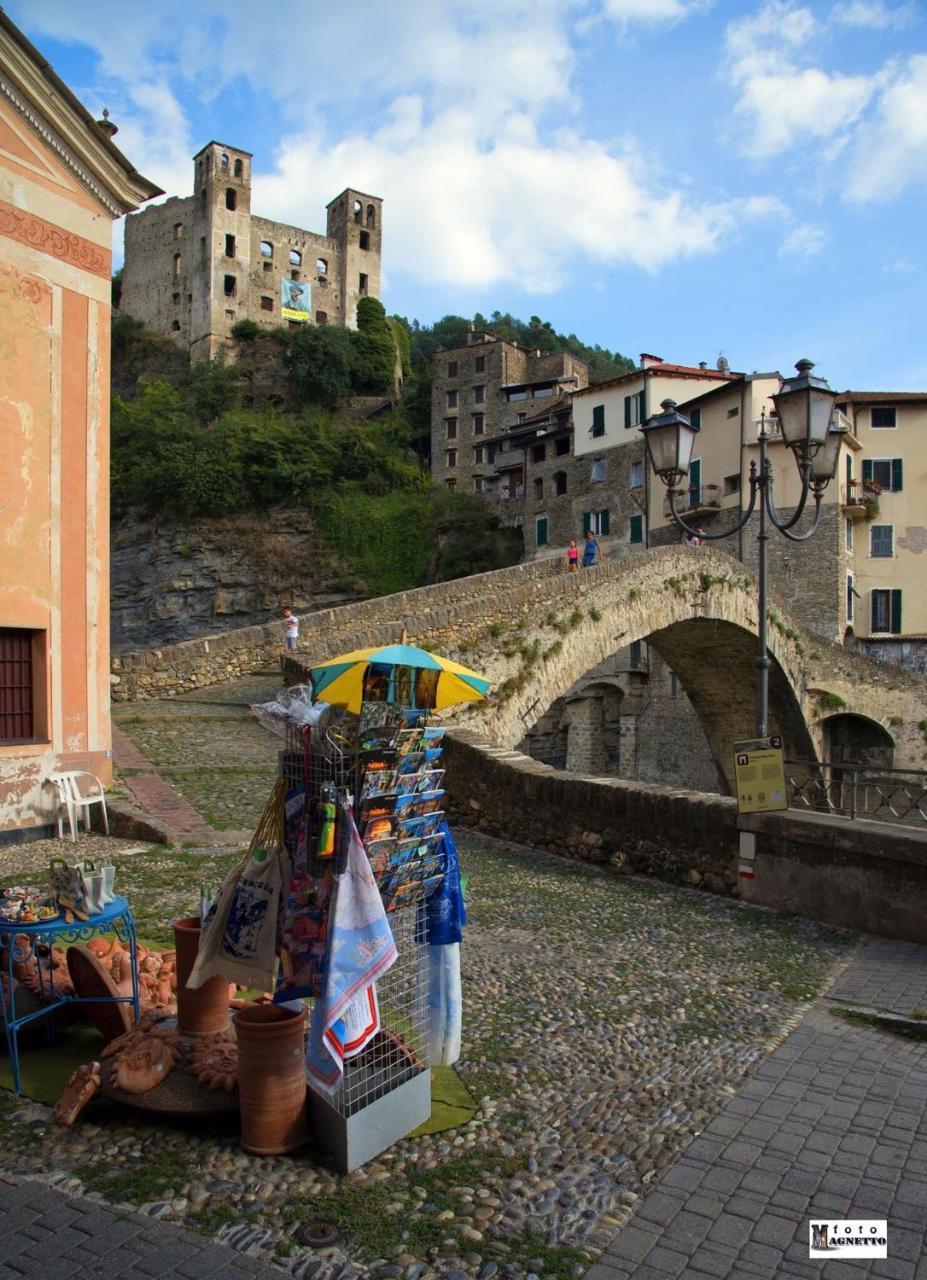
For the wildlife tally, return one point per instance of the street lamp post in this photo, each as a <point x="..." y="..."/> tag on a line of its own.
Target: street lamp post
<point x="805" y="408"/>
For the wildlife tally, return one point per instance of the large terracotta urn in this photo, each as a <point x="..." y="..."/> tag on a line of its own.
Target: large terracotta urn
<point x="271" y="1079"/>
<point x="204" y="1011"/>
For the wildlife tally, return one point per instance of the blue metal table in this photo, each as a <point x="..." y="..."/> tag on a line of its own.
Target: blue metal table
<point x="19" y="943"/>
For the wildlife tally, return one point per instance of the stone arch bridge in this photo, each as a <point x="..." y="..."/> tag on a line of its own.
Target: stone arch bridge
<point x="536" y="630"/>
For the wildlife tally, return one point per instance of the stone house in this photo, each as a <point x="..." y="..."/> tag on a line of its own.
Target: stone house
<point x="481" y="389"/>
<point x="196" y="265"/>
<point x="62" y="183"/>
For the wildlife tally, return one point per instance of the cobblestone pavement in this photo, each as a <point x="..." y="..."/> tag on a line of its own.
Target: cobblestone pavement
<point x="894" y="977"/>
<point x="54" y="1236"/>
<point x="833" y="1123"/>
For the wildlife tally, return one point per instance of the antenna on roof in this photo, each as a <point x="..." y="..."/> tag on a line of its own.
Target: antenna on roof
<point x="723" y="366"/>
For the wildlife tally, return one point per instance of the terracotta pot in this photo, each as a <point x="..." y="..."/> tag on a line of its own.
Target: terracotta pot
<point x="204" y="1011"/>
<point x="271" y="1079"/>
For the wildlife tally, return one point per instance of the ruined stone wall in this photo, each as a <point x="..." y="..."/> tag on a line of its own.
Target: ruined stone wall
<point x="265" y="272"/>
<point x="152" y="291"/>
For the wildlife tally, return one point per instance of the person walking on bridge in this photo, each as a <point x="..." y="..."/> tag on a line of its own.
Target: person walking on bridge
<point x="590" y="550"/>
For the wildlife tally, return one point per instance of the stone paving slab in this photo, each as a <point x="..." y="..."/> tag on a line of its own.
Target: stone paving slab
<point x="894" y="976"/>
<point x="52" y="1236"/>
<point x="156" y="796"/>
<point x="833" y="1123"/>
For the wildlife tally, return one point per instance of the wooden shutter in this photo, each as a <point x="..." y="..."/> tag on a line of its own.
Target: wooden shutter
<point x="627" y="411"/>
<point x="603" y="522"/>
<point x="637" y="529"/>
<point x="542" y="531"/>
<point x="16" y="712"/>
<point x="897" y="475"/>
<point x="587" y="522"/>
<point x="867" y="470"/>
<point x="896" y="613"/>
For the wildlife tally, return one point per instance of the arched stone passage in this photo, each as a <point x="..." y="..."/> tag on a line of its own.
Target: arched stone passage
<point x="714" y="661"/>
<point x="856" y="739"/>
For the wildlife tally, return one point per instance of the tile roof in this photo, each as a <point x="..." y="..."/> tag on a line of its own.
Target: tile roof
<point x="882" y="396"/>
<point x="675" y="370"/>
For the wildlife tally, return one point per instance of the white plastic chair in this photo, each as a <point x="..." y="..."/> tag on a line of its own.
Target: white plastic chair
<point x="75" y="802"/>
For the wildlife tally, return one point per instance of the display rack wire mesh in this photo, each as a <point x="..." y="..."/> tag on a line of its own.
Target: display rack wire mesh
<point x="398" y="1052"/>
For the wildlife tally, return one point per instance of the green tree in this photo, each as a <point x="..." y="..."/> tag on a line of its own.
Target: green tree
<point x="212" y="388"/>
<point x="375" y="364"/>
<point x="320" y="362"/>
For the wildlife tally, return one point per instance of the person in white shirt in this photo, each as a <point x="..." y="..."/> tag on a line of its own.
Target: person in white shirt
<point x="290" y="628"/>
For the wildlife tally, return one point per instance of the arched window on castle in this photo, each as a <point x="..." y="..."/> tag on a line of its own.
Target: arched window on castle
<point x="224" y="163"/>
<point x="371" y="216"/>
<point x="239" y="168"/>
<point x="231" y="198"/>
<point x="358" y="212"/>
<point x="267" y="249"/>
<point x="296" y="258"/>
<point x="321" y="267"/>
<point x="178" y="264"/>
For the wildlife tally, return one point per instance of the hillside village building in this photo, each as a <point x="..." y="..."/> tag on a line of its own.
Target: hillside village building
<point x="196" y="265"/>
<point x="62" y="183"/>
<point x="480" y="390"/>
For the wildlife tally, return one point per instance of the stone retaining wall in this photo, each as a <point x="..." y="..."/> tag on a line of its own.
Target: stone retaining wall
<point x="683" y="836"/>
<point x="865" y="876"/>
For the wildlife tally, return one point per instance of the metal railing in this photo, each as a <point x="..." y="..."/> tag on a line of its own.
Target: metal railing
<point x="868" y="791"/>
<point x="702" y="497"/>
<point x="858" y="493"/>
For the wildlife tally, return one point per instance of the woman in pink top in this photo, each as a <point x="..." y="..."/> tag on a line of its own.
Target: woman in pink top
<point x="573" y="556"/>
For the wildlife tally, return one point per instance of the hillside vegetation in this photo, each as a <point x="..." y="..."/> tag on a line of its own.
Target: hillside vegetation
<point x="273" y="429"/>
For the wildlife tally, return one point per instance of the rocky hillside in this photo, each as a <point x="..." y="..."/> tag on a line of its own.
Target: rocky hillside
<point x="173" y="580"/>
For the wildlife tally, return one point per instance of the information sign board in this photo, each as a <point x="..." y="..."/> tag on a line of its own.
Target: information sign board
<point x="759" y="774"/>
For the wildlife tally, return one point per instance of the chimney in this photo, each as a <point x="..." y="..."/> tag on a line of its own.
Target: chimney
<point x="648" y="361"/>
<point x="703" y="364"/>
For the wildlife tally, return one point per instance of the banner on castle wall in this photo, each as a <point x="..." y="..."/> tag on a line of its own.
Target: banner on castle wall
<point x="294" y="300"/>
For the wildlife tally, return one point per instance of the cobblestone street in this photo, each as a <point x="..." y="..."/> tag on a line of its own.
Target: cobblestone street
<point x="616" y="1028"/>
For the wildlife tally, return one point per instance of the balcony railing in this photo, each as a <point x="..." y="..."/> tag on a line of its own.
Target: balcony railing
<point x="697" y="498"/>
<point x="859" y="493"/>
<point x="505" y="495"/>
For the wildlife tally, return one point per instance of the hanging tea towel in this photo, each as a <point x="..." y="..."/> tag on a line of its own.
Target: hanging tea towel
<point x="360" y="949"/>
<point x="446" y="915"/>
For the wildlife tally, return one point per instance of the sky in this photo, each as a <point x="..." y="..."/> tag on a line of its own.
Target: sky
<point x="683" y="177"/>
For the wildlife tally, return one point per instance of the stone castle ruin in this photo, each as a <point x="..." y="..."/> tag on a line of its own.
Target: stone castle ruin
<point x="196" y="265"/>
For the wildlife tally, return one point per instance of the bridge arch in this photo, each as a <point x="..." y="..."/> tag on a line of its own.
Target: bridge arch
<point x="535" y="630"/>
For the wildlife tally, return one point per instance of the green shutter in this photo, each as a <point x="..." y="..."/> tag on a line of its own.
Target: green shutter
<point x="636" y="529"/>
<point x="542" y="531"/>
<point x="627" y="411"/>
<point x="587" y="522"/>
<point x="867" y="470"/>
<point x="598" y="419"/>
<point x="896" y="613"/>
<point x="603" y="522"/>
<point x="897" y="475"/>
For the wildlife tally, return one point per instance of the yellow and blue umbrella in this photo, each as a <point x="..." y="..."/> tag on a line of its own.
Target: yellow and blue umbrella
<point x="341" y="680"/>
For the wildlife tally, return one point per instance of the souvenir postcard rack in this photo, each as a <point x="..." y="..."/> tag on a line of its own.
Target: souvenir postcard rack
<point x="394" y="774"/>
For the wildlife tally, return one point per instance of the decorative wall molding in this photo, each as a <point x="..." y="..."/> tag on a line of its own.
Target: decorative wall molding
<point x="60" y="148"/>
<point x="47" y="238"/>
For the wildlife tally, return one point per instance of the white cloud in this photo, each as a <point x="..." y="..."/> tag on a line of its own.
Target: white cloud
<point x="873" y="15"/>
<point x="519" y="210"/>
<point x="651" y="11"/>
<point x="782" y="101"/>
<point x="468" y="127"/>
<point x="802" y="242"/>
<point x="891" y="148"/>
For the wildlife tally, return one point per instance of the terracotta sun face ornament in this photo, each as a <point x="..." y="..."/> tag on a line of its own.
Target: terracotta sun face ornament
<point x="214" y="1062"/>
<point x="144" y="1066"/>
<point x="81" y="1086"/>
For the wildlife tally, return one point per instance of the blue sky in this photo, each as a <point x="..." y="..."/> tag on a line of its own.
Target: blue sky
<point x="684" y="177"/>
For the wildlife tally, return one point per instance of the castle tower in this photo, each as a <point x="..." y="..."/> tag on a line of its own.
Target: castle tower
<point x="355" y="222"/>
<point x="221" y="250"/>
